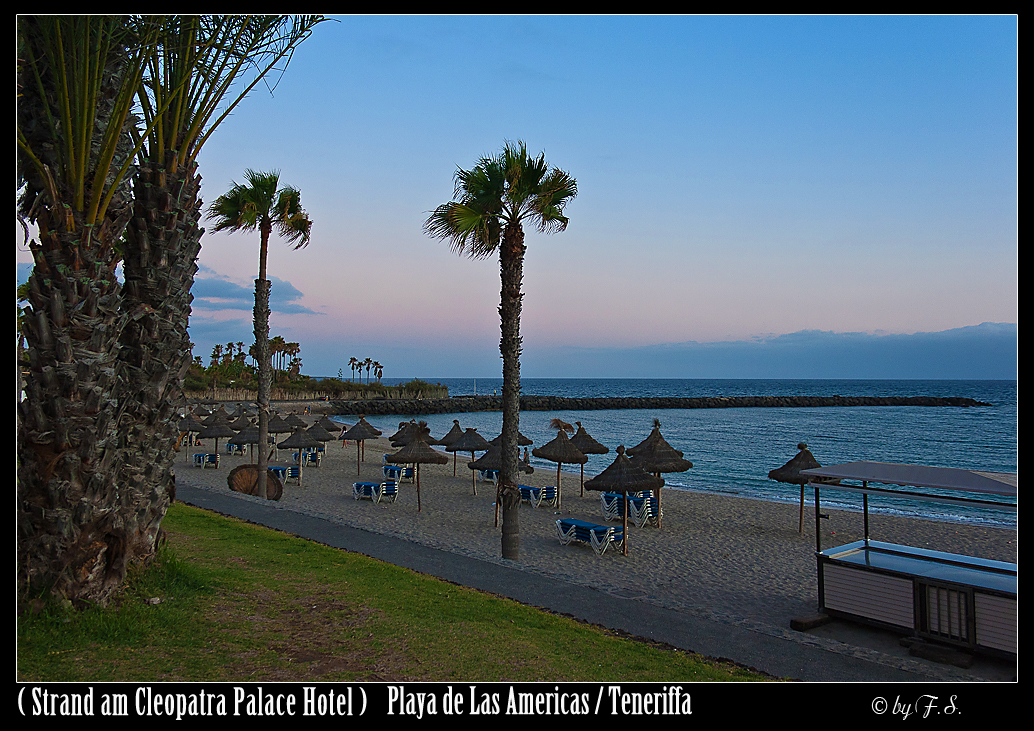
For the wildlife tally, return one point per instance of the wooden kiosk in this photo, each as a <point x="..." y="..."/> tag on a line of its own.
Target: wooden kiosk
<point x="958" y="600"/>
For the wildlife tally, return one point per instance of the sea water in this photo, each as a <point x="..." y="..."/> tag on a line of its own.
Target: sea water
<point x="733" y="449"/>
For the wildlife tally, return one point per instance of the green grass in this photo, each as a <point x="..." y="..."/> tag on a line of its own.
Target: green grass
<point x="230" y="601"/>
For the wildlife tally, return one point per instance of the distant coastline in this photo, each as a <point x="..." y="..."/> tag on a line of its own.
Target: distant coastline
<point x="465" y="404"/>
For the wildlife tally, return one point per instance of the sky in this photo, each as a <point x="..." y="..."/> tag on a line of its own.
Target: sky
<point x="753" y="193"/>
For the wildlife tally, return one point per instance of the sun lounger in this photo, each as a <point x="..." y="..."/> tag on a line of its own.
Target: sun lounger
<point x="489" y="475"/>
<point x="376" y="491"/>
<point x="642" y="507"/>
<point x="210" y="460"/>
<point x="537" y="496"/>
<point x="293" y="473"/>
<point x="600" y="537"/>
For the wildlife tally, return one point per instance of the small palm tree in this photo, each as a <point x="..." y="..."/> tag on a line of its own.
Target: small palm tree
<point x="262" y="204"/>
<point x="496" y="197"/>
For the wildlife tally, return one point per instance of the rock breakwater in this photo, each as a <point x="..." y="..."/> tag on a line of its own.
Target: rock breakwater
<point x="462" y="404"/>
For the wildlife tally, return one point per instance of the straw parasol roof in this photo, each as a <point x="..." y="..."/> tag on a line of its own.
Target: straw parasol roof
<point x="189" y="424"/>
<point x="522" y="441"/>
<point x="295" y="420"/>
<point x="418" y="452"/>
<point x="586" y="445"/>
<point x="317" y="432"/>
<point x="241" y="422"/>
<point x="248" y="435"/>
<point x="624" y="476"/>
<point x="493" y="460"/>
<point x="469" y="441"/>
<point x="561" y="451"/>
<point x="413" y="430"/>
<point x="790" y="473"/>
<point x="330" y="425"/>
<point x="216" y="417"/>
<point x="216" y="430"/>
<point x="656" y="456"/>
<point x="451" y="436"/>
<point x="299" y="439"/>
<point x="359" y="433"/>
<point x="279" y="425"/>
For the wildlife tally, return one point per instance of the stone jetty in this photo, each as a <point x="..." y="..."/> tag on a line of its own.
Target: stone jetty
<point x="462" y="404"/>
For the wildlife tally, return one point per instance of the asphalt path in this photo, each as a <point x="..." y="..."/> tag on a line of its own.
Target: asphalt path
<point x="843" y="652"/>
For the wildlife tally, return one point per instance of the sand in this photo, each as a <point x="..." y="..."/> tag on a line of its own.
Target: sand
<point x="727" y="558"/>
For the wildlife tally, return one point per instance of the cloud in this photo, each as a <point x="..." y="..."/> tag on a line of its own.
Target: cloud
<point x="985" y="351"/>
<point x="219" y="293"/>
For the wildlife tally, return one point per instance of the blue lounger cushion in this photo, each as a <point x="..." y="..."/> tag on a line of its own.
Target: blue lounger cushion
<point x="600" y="537"/>
<point x="643" y="507"/>
<point x="376" y="491"/>
<point x="537" y="496"/>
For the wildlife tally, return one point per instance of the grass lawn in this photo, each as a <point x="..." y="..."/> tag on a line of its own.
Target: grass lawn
<point x="230" y="601"/>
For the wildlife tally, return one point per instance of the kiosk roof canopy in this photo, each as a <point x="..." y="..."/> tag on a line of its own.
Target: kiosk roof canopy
<point x="943" y="478"/>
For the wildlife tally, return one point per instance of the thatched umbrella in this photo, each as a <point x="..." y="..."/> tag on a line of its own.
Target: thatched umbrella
<point x="300" y="439"/>
<point x="469" y="441"/>
<point x="295" y="420"/>
<point x="240" y="422"/>
<point x="522" y="441"/>
<point x="561" y="451"/>
<point x="248" y="435"/>
<point x="190" y="424"/>
<point x="656" y="456"/>
<point x="493" y="460"/>
<point x="216" y="417"/>
<point x="404" y="427"/>
<point x="586" y="445"/>
<point x="278" y="425"/>
<point x="317" y="432"/>
<point x="791" y="473"/>
<point x="359" y="433"/>
<point x="413" y="430"/>
<point x="418" y="452"/>
<point x="330" y="425"/>
<point x="623" y="476"/>
<point x="451" y="436"/>
<point x="216" y="430"/>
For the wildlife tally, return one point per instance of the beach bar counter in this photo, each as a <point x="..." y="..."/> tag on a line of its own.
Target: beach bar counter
<point x="963" y="601"/>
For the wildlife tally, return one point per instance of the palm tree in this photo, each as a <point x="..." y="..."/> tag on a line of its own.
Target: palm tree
<point x="495" y="198"/>
<point x="262" y="204"/>
<point x="378" y="370"/>
<point x="78" y="524"/>
<point x="368" y="364"/>
<point x="205" y="67"/>
<point x="93" y="489"/>
<point x="353" y="363"/>
<point x="276" y="352"/>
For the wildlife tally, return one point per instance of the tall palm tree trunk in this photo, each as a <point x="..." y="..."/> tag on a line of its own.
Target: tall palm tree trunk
<point x="511" y="266"/>
<point x="262" y="287"/>
<point x="71" y="529"/>
<point x="162" y="245"/>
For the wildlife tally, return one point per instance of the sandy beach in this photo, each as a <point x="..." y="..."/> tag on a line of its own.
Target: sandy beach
<point x="730" y="559"/>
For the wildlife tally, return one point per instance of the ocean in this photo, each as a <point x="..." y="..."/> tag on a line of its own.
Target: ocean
<point x="732" y="450"/>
